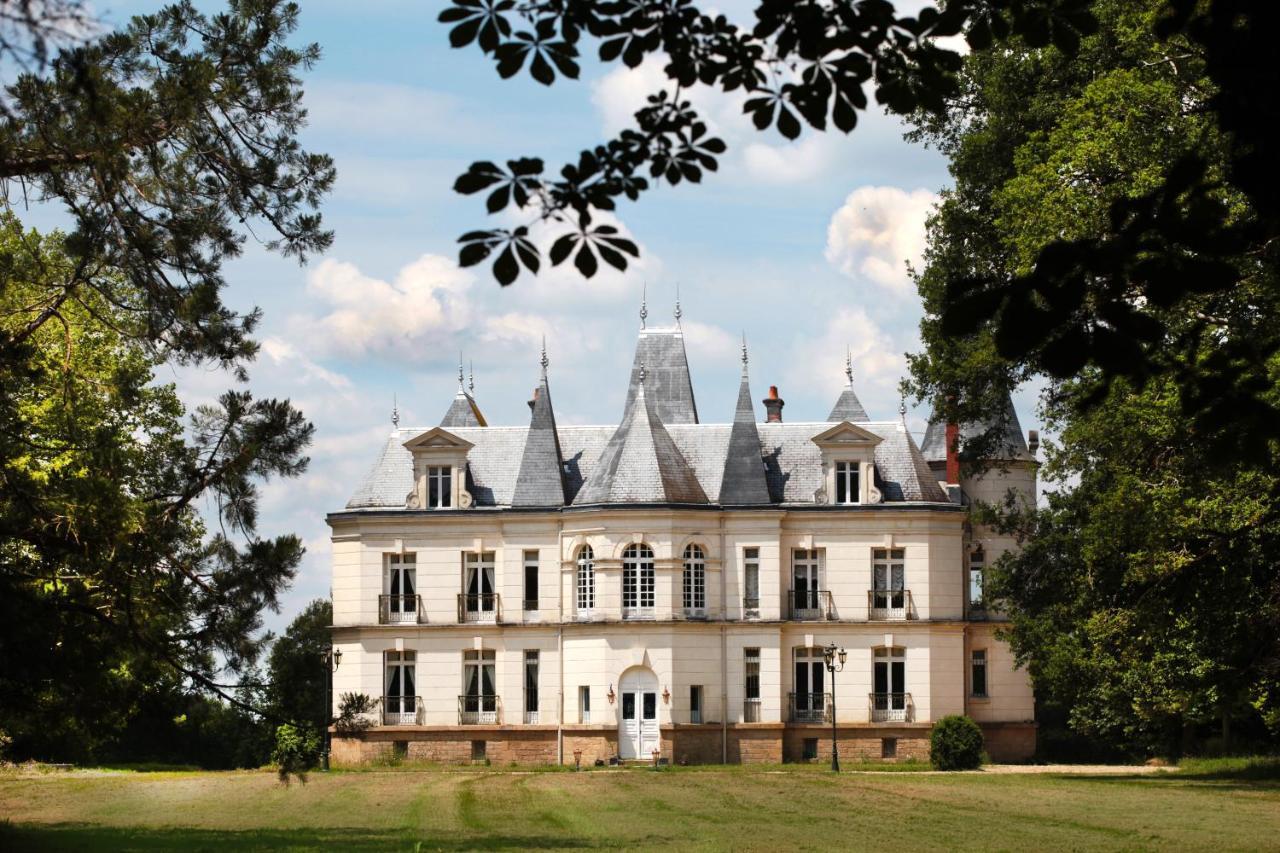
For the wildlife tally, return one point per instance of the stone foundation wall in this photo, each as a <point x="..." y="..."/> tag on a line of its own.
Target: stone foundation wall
<point x="859" y="743"/>
<point x="750" y="743"/>
<point x="1010" y="743"/>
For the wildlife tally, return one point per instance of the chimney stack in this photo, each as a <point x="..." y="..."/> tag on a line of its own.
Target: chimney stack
<point x="533" y="401"/>
<point x="773" y="406"/>
<point x="953" y="453"/>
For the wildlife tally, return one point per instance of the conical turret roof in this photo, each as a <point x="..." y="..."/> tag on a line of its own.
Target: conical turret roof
<point x="744" y="480"/>
<point x="1012" y="445"/>
<point x="848" y="407"/>
<point x="541" y="478"/>
<point x="641" y="464"/>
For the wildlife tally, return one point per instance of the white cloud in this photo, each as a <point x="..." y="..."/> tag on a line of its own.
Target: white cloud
<point x="427" y="301"/>
<point x="877" y="232"/>
<point x="387" y="111"/>
<point x="878" y="363"/>
<point x="710" y="342"/>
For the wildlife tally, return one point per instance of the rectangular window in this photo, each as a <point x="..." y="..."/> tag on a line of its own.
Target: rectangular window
<point x="695" y="703"/>
<point x="807" y="599"/>
<point x="751" y="685"/>
<point x="810" y="749"/>
<point x="481" y="601"/>
<point x="400" y="702"/>
<point x="400" y="604"/>
<point x="847" y="483"/>
<point x="751" y="581"/>
<point x="479" y="697"/>
<point x="889" y="677"/>
<point x="531" y="686"/>
<point x="977" y="562"/>
<point x="439" y="487"/>
<point x="888" y="583"/>
<point x="530" y="580"/>
<point x="978" y="673"/>
<point x="477" y="750"/>
<point x="584" y="704"/>
<point x="889" y="747"/>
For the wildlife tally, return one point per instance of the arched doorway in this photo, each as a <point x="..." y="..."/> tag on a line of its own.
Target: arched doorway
<point x="638" y="723"/>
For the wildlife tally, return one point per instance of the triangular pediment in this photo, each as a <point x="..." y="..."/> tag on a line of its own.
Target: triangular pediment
<point x="437" y="438"/>
<point x="845" y="434"/>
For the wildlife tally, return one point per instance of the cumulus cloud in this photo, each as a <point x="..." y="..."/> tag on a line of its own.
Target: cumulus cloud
<point x="878" y="363"/>
<point x="877" y="232"/>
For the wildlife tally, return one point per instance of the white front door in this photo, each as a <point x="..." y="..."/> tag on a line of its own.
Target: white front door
<point x="638" y="734"/>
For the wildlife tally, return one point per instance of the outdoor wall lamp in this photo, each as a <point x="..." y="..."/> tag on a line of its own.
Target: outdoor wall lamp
<point x="612" y="695"/>
<point x="666" y="696"/>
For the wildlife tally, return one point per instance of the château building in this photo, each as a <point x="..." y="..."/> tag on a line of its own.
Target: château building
<point x="544" y="592"/>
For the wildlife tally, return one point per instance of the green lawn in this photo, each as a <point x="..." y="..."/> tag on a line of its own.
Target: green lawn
<point x="1220" y="806"/>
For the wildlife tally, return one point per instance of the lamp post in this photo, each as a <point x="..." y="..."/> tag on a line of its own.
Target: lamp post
<point x="331" y="657"/>
<point x="835" y="663"/>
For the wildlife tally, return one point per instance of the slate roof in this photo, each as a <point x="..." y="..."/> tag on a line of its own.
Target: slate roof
<point x="540" y="481"/>
<point x="743" y="480"/>
<point x="641" y="463"/>
<point x="793" y="463"/>
<point x="848" y="408"/>
<point x="463" y="412"/>
<point x="1012" y="445"/>
<point x="667" y="381"/>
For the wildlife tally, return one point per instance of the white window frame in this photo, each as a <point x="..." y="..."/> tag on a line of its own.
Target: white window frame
<point x="530" y="561"/>
<point x="977" y="578"/>
<point x="750" y="687"/>
<point x="639" y="585"/>
<point x="584" y="703"/>
<point x="696" y="701"/>
<point x="586" y="582"/>
<point x="532" y="660"/>
<point x="401" y="569"/>
<point x="439" y="487"/>
<point x="751" y="583"/>
<point x="400" y="709"/>
<point x="848" y="482"/>
<point x="482" y="710"/>
<point x="889" y="595"/>
<point x="695" y="581"/>
<point x="890" y="709"/>
<point x="480" y="566"/>
<point x="807" y="562"/>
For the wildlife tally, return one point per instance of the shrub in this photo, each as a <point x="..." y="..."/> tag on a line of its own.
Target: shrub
<point x="296" y="752"/>
<point x="956" y="744"/>
<point x="353" y="711"/>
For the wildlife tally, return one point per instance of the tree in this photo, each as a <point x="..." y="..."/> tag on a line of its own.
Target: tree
<point x="1099" y="301"/>
<point x="296" y="670"/>
<point x="1145" y="599"/>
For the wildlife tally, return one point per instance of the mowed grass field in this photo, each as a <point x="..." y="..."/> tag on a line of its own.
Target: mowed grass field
<point x="1220" y="806"/>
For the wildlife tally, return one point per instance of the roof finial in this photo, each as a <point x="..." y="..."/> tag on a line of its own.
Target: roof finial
<point x="471" y="378"/>
<point x="544" y="361"/>
<point x="848" y="365"/>
<point x="462" y="388"/>
<point x="744" y="352"/>
<point x="644" y="300"/>
<point x="902" y="407"/>
<point x="679" y="313"/>
<point x="642" y="373"/>
<point x="395" y="412"/>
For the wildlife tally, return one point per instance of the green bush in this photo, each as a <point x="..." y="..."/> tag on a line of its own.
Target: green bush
<point x="296" y="752"/>
<point x="956" y="744"/>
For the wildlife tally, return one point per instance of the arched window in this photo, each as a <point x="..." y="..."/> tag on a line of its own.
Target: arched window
<point x="586" y="579"/>
<point x="637" y="581"/>
<point x="695" y="581"/>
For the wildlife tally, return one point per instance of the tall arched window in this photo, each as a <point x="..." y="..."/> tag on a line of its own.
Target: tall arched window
<point x="695" y="581"/>
<point x="586" y="579"/>
<point x="637" y="582"/>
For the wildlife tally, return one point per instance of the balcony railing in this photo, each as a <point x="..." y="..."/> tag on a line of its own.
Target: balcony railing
<point x="477" y="709"/>
<point x="695" y="613"/>
<point x="810" y="707"/>
<point x="751" y="710"/>
<point x="399" y="609"/>
<point x="402" y="710"/>
<point x="977" y="611"/>
<point x="890" y="605"/>
<point x="810" y="605"/>
<point x="750" y="607"/>
<point x="639" y="613"/>
<point x="531" y="718"/>
<point x="891" y="707"/>
<point x="479" y="607"/>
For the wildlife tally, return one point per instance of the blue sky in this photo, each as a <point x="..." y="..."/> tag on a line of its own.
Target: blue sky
<point x="802" y="246"/>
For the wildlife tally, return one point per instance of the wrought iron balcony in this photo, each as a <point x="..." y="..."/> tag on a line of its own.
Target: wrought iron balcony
<point x="891" y="707"/>
<point x="531" y="604"/>
<point x="751" y="710"/>
<point x="479" y="709"/>
<point x="890" y="605"/>
<point x="402" y="710"/>
<point x="809" y="707"/>
<point x="479" y="607"/>
<point x="811" y="605"/>
<point x="400" y="609"/>
<point x="750" y="607"/>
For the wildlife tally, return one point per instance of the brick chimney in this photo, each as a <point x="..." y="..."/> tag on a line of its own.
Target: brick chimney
<point x="953" y="453"/>
<point x="773" y="406"/>
<point x="533" y="401"/>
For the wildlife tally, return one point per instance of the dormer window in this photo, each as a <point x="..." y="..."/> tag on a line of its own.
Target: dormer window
<point x="439" y="487"/>
<point x="847" y="483"/>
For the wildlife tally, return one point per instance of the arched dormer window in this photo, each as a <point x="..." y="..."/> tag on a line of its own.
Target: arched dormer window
<point x="637" y="582"/>
<point x="695" y="582"/>
<point x="586" y="580"/>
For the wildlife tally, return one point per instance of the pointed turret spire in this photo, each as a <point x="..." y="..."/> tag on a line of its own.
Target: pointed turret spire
<point x="644" y="303"/>
<point x="670" y="388"/>
<point x="678" y="312"/>
<point x="463" y="411"/>
<point x="848" y="407"/>
<point x="395" y="412"/>
<point x="471" y="378"/>
<point x="541" y="478"/>
<point x="641" y="463"/>
<point x="1012" y="445"/>
<point x="744" y="480"/>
